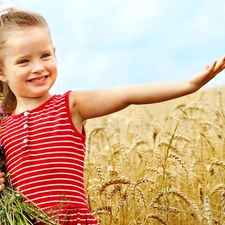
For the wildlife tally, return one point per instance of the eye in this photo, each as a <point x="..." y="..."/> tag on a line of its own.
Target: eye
<point x="45" y="55"/>
<point x="23" y="61"/>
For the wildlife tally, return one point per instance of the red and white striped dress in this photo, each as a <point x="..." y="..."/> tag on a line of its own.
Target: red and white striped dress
<point x="45" y="157"/>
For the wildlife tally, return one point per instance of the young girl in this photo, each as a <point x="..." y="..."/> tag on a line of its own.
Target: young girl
<point x="43" y="135"/>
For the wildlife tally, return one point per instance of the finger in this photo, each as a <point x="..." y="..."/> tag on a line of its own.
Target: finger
<point x="220" y="65"/>
<point x="2" y="181"/>
<point x="205" y="67"/>
<point x="213" y="65"/>
<point x="2" y="174"/>
<point x="2" y="187"/>
<point x="223" y="59"/>
<point x="210" y="69"/>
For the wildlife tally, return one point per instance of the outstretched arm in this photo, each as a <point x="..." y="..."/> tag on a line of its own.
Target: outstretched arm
<point x="95" y="103"/>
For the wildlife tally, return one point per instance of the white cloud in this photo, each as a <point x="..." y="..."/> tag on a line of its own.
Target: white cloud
<point x="136" y="17"/>
<point x="205" y="23"/>
<point x="122" y="20"/>
<point x="98" y="69"/>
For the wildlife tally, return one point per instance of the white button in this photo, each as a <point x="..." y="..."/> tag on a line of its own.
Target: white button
<point x="25" y="140"/>
<point x="26" y="113"/>
<point x="25" y="125"/>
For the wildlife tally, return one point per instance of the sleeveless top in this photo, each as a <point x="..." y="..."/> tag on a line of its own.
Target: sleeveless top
<point x="44" y="155"/>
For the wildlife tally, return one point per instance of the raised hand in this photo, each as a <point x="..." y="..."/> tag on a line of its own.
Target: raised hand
<point x="206" y="74"/>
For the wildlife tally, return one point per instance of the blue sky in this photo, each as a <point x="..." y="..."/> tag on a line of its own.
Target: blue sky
<point x="104" y="43"/>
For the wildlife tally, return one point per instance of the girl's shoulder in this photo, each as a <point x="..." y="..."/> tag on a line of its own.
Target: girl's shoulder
<point x="54" y="103"/>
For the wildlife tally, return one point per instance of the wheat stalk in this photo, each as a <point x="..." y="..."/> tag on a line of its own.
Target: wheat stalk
<point x="122" y="180"/>
<point x="157" y="217"/>
<point x="207" y="209"/>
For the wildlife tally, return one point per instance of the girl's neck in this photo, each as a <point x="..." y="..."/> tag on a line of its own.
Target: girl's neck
<point x="24" y="104"/>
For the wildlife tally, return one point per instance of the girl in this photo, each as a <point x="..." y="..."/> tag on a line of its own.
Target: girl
<point x="43" y="135"/>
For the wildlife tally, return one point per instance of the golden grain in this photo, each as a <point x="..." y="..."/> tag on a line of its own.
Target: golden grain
<point x="179" y="160"/>
<point x="145" y="168"/>
<point x="223" y="201"/>
<point x="207" y="209"/>
<point x="122" y="180"/>
<point x="157" y="217"/>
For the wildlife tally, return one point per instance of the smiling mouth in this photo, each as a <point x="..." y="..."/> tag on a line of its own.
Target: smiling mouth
<point x="38" y="80"/>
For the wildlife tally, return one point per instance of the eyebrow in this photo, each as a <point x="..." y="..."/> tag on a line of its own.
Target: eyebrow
<point x="47" y="50"/>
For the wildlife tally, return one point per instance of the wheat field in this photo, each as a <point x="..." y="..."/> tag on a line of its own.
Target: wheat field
<point x="159" y="164"/>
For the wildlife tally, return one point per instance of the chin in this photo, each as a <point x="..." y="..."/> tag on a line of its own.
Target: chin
<point x="40" y="94"/>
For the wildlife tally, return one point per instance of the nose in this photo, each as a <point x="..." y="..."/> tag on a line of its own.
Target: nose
<point x="37" y="67"/>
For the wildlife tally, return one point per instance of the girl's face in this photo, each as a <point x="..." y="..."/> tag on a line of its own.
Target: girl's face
<point x="30" y="65"/>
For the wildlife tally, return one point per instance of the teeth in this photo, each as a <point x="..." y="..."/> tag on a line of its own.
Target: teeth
<point x="38" y="80"/>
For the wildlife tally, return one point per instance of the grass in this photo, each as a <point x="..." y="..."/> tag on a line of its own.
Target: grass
<point x="14" y="210"/>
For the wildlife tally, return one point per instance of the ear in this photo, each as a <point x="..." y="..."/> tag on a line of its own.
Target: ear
<point x="2" y="76"/>
<point x="54" y="50"/>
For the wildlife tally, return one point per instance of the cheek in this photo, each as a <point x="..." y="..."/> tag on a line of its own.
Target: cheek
<point x="15" y="76"/>
<point x="54" y="68"/>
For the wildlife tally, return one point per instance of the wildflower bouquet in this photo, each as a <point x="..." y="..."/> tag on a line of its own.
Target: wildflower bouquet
<point x="13" y="209"/>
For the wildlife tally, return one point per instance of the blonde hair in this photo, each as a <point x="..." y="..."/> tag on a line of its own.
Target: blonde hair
<point x="12" y="20"/>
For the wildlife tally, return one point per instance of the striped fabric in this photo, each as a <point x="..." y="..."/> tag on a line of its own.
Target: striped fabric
<point x="45" y="157"/>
